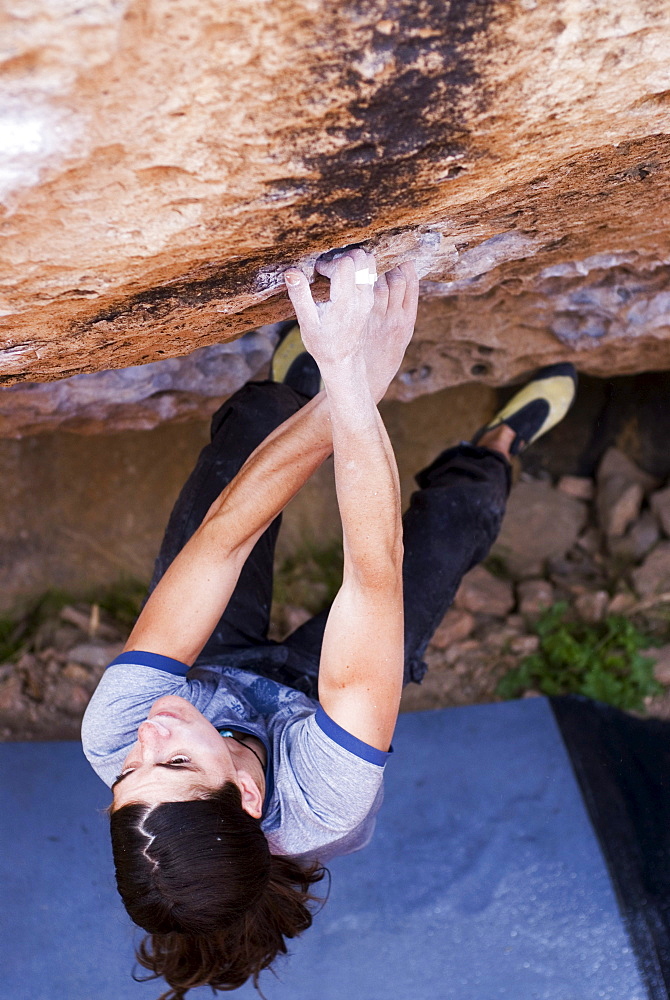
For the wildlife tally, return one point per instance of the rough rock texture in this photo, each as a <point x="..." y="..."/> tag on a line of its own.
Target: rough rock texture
<point x="136" y="398"/>
<point x="540" y="524"/>
<point x="161" y="161"/>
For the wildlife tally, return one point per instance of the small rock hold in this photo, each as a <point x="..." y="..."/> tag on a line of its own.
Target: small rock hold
<point x="482" y="592"/>
<point x="592" y="607"/>
<point x="534" y="597"/>
<point x="455" y="626"/>
<point x="580" y="487"/>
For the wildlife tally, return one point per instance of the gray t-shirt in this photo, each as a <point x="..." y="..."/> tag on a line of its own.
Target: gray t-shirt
<point x="323" y="785"/>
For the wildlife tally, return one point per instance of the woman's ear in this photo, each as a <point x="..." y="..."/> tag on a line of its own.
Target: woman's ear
<point x="252" y="797"/>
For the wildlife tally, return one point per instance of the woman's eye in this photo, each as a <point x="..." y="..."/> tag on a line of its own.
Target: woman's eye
<point x="179" y="758"/>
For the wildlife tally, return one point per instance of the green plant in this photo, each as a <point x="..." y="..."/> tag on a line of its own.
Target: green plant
<point x="601" y="661"/>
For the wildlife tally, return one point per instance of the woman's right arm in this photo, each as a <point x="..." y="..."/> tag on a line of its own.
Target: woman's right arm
<point x="361" y="669"/>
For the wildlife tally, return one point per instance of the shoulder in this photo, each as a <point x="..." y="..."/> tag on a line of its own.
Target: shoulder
<point x="328" y="786"/>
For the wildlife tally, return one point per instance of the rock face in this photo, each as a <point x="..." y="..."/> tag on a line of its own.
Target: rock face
<point x="136" y="398"/>
<point x="162" y="161"/>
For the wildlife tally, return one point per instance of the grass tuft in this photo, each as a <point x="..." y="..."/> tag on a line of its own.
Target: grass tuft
<point x="601" y="661"/>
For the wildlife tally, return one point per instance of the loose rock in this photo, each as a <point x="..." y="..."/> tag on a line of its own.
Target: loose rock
<point x="653" y="576"/>
<point x="456" y="625"/>
<point x="619" y="503"/>
<point x="638" y="540"/>
<point x="534" y="597"/>
<point x="579" y="487"/>
<point x="621" y="604"/>
<point x="540" y="523"/>
<point x="525" y="645"/>
<point x="482" y="592"/>
<point x="592" y="607"/>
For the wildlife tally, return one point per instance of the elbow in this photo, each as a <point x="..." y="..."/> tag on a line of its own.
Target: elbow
<point x="219" y="537"/>
<point x="380" y="572"/>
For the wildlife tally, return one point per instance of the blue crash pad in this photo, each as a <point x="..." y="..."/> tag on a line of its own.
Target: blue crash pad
<point x="484" y="879"/>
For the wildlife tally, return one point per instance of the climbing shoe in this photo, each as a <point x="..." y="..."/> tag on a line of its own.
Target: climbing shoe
<point x="292" y="365"/>
<point x="538" y="407"/>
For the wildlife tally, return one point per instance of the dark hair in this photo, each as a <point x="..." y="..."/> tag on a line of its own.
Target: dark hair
<point x="199" y="877"/>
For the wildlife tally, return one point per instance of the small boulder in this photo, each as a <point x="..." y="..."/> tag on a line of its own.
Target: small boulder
<point x="653" y="576"/>
<point x="592" y="606"/>
<point x="621" y="489"/>
<point x="456" y="625"/>
<point x="619" y="503"/>
<point x="541" y="523"/>
<point x="481" y="592"/>
<point x="579" y="487"/>
<point x="525" y="645"/>
<point x="640" y="538"/>
<point x="534" y="597"/>
<point x="621" y="604"/>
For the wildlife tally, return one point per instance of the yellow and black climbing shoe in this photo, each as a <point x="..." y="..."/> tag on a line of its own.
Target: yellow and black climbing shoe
<point x="539" y="406"/>
<point x="292" y="365"/>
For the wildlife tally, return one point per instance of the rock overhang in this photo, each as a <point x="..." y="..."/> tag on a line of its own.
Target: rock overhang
<point x="520" y="150"/>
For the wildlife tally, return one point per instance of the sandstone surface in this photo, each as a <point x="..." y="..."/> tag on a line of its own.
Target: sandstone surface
<point x="161" y="162"/>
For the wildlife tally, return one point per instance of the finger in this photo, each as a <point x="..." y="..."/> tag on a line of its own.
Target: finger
<point x="411" y="299"/>
<point x="300" y="295"/>
<point x="381" y="292"/>
<point x="342" y="280"/>
<point x="397" y="286"/>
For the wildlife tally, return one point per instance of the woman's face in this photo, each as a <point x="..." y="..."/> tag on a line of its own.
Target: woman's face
<point x="179" y="754"/>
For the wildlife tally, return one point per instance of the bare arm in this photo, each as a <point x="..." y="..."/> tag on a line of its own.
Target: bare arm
<point x="194" y="592"/>
<point x="360" y="675"/>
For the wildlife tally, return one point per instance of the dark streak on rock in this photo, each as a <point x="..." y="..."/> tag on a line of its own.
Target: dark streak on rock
<point x="409" y="123"/>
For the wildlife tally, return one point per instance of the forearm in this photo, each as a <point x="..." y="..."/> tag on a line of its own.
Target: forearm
<point x="195" y="590"/>
<point x="366" y="477"/>
<point x="271" y="476"/>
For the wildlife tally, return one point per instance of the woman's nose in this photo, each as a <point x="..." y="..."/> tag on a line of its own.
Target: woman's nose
<point x="151" y="733"/>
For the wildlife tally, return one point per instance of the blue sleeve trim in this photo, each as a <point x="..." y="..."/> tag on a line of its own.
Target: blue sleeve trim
<point x="155" y="660"/>
<point x="349" y="742"/>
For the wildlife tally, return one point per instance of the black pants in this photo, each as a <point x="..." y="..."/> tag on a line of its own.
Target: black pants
<point x="452" y="521"/>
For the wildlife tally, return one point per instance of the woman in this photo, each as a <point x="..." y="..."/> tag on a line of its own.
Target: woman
<point x="232" y="784"/>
